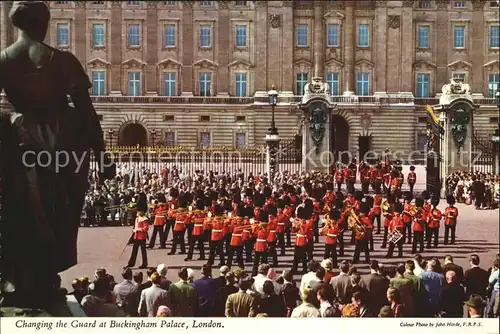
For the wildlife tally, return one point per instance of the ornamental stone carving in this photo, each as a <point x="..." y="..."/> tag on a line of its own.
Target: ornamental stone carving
<point x="408" y="3"/>
<point x="260" y="4"/>
<point x="478" y="4"/>
<point x="275" y="20"/>
<point x="394" y="21"/>
<point x="366" y="122"/>
<point x="223" y="5"/>
<point x="316" y="86"/>
<point x="152" y="4"/>
<point x="287" y="3"/>
<point x="442" y="4"/>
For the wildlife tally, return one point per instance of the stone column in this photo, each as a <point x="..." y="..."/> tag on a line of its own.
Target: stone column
<point x="188" y="52"/>
<point x="261" y="25"/>
<point x="224" y="32"/>
<point x="380" y="54"/>
<point x="318" y="38"/>
<point x="441" y="44"/>
<point x="5" y="24"/>
<point x="80" y="26"/>
<point x="477" y="53"/>
<point x="407" y="41"/>
<point x="116" y="46"/>
<point x="151" y="48"/>
<point x="349" y="40"/>
<point x="286" y="59"/>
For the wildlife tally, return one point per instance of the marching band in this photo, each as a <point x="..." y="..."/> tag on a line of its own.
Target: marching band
<point x="256" y="223"/>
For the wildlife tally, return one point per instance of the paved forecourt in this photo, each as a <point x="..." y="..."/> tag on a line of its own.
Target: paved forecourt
<point x="477" y="232"/>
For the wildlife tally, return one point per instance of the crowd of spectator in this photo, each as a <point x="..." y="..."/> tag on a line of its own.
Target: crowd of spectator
<point x="475" y="188"/>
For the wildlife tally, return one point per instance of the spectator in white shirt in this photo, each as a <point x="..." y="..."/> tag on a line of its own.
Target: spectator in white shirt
<point x="306" y="309"/>
<point x="258" y="285"/>
<point x="310" y="277"/>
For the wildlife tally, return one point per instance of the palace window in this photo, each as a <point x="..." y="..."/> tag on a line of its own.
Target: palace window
<point x="98" y="83"/>
<point x="363" y="35"/>
<point x="134" y="83"/>
<point x="169" y="3"/>
<point x="301" y="82"/>
<point x="62" y="35"/>
<point x="240" y="3"/>
<point x="493" y="84"/>
<point x="205" y="3"/>
<point x="494" y="36"/>
<point x="134" y="3"/>
<point x="301" y="32"/>
<point x="169" y="138"/>
<point x="423" y="37"/>
<point x="98" y="34"/>
<point x="459" y="37"/>
<point x="134" y="35"/>
<point x="241" y="36"/>
<point x="332" y="79"/>
<point x="495" y="3"/>
<point x="332" y="35"/>
<point x="459" y="75"/>
<point x="205" y="84"/>
<point x="459" y="4"/>
<point x="170" y="35"/>
<point x="205" y="36"/>
<point x="241" y="84"/>
<point x="421" y="141"/>
<point x="423" y="85"/>
<point x="205" y="139"/>
<point x="169" y="82"/>
<point x="424" y="4"/>
<point x="241" y="140"/>
<point x="362" y="83"/>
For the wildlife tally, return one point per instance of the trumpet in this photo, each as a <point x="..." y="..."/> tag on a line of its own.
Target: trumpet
<point x="385" y="207"/>
<point x="355" y="224"/>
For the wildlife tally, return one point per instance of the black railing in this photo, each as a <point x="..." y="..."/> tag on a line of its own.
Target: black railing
<point x="483" y="154"/>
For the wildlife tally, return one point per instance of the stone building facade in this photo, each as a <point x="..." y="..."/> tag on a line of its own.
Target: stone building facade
<point x="197" y="72"/>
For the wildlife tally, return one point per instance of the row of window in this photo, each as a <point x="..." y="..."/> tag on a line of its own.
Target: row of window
<point x="205" y="139"/>
<point x="363" y="79"/>
<point x="241" y="35"/>
<point x="459" y="39"/>
<point x="165" y="3"/>
<point x="456" y="4"/>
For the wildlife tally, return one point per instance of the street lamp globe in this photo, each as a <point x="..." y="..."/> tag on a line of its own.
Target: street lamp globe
<point x="273" y="96"/>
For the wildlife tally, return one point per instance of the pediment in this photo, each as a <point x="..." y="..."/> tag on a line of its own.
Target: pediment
<point x="333" y="14"/>
<point x="334" y="64"/>
<point x="206" y="63"/>
<point x="133" y="63"/>
<point x="459" y="64"/>
<point x="364" y="63"/>
<point x="169" y="63"/>
<point x="241" y="63"/>
<point x="98" y="62"/>
<point x="302" y="62"/>
<point x="492" y="64"/>
<point x="423" y="63"/>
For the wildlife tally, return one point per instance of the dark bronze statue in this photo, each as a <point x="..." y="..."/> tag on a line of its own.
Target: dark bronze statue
<point x="42" y="198"/>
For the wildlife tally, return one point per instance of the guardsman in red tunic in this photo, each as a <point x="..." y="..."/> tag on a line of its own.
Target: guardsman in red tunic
<point x="388" y="215"/>
<point x="288" y="212"/>
<point x="379" y="178"/>
<point x="272" y="237"/>
<point x="364" y="177"/>
<point x="387" y="182"/>
<point x="396" y="224"/>
<point x="197" y="237"/>
<point x="261" y="248"/>
<point x="339" y="176"/>
<point x="371" y="214"/>
<point x="228" y="211"/>
<point x="339" y="205"/>
<point x="434" y="223"/>
<point x="300" y="226"/>
<point x="400" y="178"/>
<point x="172" y="206"/>
<point x="450" y="220"/>
<point x="427" y="207"/>
<point x="329" y="196"/>
<point x="238" y="224"/>
<point x="160" y="212"/>
<point x="408" y="211"/>
<point x="281" y="222"/>
<point x="419" y="225"/>
<point x="140" y="235"/>
<point x="350" y="176"/>
<point x="363" y="237"/>
<point x="331" y="230"/>
<point x="394" y="181"/>
<point x="217" y="236"/>
<point x="412" y="178"/>
<point x="377" y="211"/>
<point x="181" y="219"/>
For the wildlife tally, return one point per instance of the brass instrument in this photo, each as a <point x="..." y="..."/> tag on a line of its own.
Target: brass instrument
<point x="326" y="209"/>
<point x="115" y="207"/>
<point x="413" y="211"/>
<point x="355" y="224"/>
<point x="385" y="207"/>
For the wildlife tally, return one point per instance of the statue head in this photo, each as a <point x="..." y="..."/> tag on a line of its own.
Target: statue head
<point x="32" y="17"/>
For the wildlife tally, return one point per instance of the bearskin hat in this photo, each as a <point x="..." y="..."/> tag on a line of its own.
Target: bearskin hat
<point x="338" y="203"/>
<point x="249" y="192"/>
<point x="199" y="194"/>
<point x="426" y="195"/>
<point x="189" y="197"/>
<point x="174" y="192"/>
<point x="450" y="200"/>
<point x="340" y="196"/>
<point x="267" y="192"/>
<point x="263" y="216"/>
<point x="435" y="201"/>
<point x="329" y="186"/>
<point x="358" y="195"/>
<point x="308" y="203"/>
<point x="236" y="199"/>
<point x="419" y="202"/>
<point x="249" y="211"/>
<point x="412" y="168"/>
<point x="280" y="203"/>
<point x="398" y="207"/>
<point x="214" y="195"/>
<point x="161" y="198"/>
<point x="207" y="201"/>
<point x="227" y="205"/>
<point x="369" y="200"/>
<point x="301" y="212"/>
<point x="142" y="202"/>
<point x="391" y="198"/>
<point x="218" y="210"/>
<point x="286" y="200"/>
<point x="395" y="172"/>
<point x="334" y="214"/>
<point x="181" y="201"/>
<point x="364" y="208"/>
<point x="200" y="204"/>
<point x="258" y="199"/>
<point x="408" y="196"/>
<point x="272" y="210"/>
<point x="241" y="210"/>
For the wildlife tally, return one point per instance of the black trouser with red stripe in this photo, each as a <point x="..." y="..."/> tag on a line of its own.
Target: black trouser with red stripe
<point x="281" y="242"/>
<point x="407" y="232"/>
<point x="259" y="257"/>
<point x="216" y="247"/>
<point x="273" y="252"/>
<point x="239" y="256"/>
<point x="447" y="230"/>
<point x="361" y="245"/>
<point x="418" y="238"/>
<point x="299" y="255"/>
<point x="331" y="252"/>
<point x="157" y="230"/>
<point x="200" y="240"/>
<point x="178" y="239"/>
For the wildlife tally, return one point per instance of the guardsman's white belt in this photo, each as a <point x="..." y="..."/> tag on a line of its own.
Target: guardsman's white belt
<point x="261" y="240"/>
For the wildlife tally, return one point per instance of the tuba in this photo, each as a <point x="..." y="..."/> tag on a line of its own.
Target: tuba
<point x="355" y="224"/>
<point x="385" y="207"/>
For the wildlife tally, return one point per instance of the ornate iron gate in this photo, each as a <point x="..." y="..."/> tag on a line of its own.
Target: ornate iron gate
<point x="433" y="171"/>
<point x="483" y="154"/>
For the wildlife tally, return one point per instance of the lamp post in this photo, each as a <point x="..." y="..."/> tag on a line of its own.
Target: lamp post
<point x="272" y="139"/>
<point x="496" y="139"/>
<point x="111" y="133"/>
<point x="153" y="134"/>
